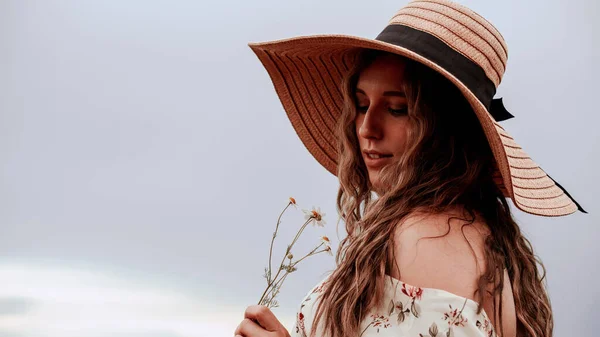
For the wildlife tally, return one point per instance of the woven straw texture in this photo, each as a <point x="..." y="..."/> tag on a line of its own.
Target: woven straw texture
<point x="307" y="72"/>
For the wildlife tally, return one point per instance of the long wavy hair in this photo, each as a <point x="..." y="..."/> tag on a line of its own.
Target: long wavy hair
<point x="447" y="163"/>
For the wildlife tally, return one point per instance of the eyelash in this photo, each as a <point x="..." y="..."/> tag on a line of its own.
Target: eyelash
<point x="397" y="112"/>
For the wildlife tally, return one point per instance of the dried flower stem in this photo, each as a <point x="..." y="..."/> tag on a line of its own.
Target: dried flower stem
<point x="289" y="248"/>
<point x="274" y="283"/>
<point x="273" y="240"/>
<point x="312" y="252"/>
<point x="300" y="231"/>
<point x="277" y="285"/>
<point x="271" y="281"/>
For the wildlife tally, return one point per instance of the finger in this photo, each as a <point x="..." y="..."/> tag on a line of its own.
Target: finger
<point x="249" y="328"/>
<point x="264" y="316"/>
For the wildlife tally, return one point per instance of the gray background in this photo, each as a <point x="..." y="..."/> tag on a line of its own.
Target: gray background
<point x="145" y="158"/>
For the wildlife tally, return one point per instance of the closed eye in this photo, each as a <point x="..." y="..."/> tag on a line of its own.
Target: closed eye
<point x="395" y="112"/>
<point x="398" y="112"/>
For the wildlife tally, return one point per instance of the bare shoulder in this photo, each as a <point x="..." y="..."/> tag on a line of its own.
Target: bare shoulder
<point x="448" y="253"/>
<point x="440" y="251"/>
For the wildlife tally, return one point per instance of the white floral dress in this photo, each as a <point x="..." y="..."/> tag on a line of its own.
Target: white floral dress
<point x="408" y="312"/>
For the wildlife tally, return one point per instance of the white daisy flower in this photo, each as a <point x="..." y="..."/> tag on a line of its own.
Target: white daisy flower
<point x="316" y="216"/>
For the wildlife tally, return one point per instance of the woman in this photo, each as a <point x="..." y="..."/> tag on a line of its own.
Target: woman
<point x="435" y="252"/>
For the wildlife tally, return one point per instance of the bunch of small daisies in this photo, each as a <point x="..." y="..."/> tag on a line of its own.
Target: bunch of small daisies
<point x="288" y="264"/>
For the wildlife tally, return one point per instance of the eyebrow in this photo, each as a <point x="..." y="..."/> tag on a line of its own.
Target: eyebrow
<point x="386" y="93"/>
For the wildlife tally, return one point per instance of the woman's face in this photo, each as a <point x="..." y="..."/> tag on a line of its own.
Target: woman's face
<point x="382" y="114"/>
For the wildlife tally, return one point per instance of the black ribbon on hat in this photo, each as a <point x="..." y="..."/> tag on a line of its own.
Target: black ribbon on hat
<point x="461" y="67"/>
<point x="498" y="111"/>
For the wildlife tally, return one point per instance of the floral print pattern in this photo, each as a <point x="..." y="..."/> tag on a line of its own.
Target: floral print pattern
<point x="455" y="317"/>
<point x="485" y="325"/>
<point x="300" y="329"/>
<point x="412" y="292"/>
<point x="411" y="311"/>
<point x="378" y="321"/>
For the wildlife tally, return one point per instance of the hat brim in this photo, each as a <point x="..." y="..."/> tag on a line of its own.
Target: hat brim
<point x="307" y="71"/>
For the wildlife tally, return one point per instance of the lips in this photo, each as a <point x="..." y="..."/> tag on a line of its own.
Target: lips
<point x="375" y="159"/>
<point x="376" y="154"/>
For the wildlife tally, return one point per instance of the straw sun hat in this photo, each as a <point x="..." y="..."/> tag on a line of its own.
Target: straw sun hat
<point x="449" y="38"/>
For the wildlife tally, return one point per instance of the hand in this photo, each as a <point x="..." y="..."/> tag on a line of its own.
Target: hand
<point x="259" y="321"/>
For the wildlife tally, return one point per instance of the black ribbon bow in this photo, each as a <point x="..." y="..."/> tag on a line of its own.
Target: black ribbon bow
<point x="498" y="111"/>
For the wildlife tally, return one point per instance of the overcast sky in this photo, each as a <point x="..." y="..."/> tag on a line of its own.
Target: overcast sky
<point x="145" y="158"/>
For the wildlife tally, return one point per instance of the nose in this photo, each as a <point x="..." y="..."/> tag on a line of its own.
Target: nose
<point x="370" y="127"/>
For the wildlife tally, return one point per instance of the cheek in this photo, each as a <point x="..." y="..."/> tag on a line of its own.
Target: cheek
<point x="400" y="135"/>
